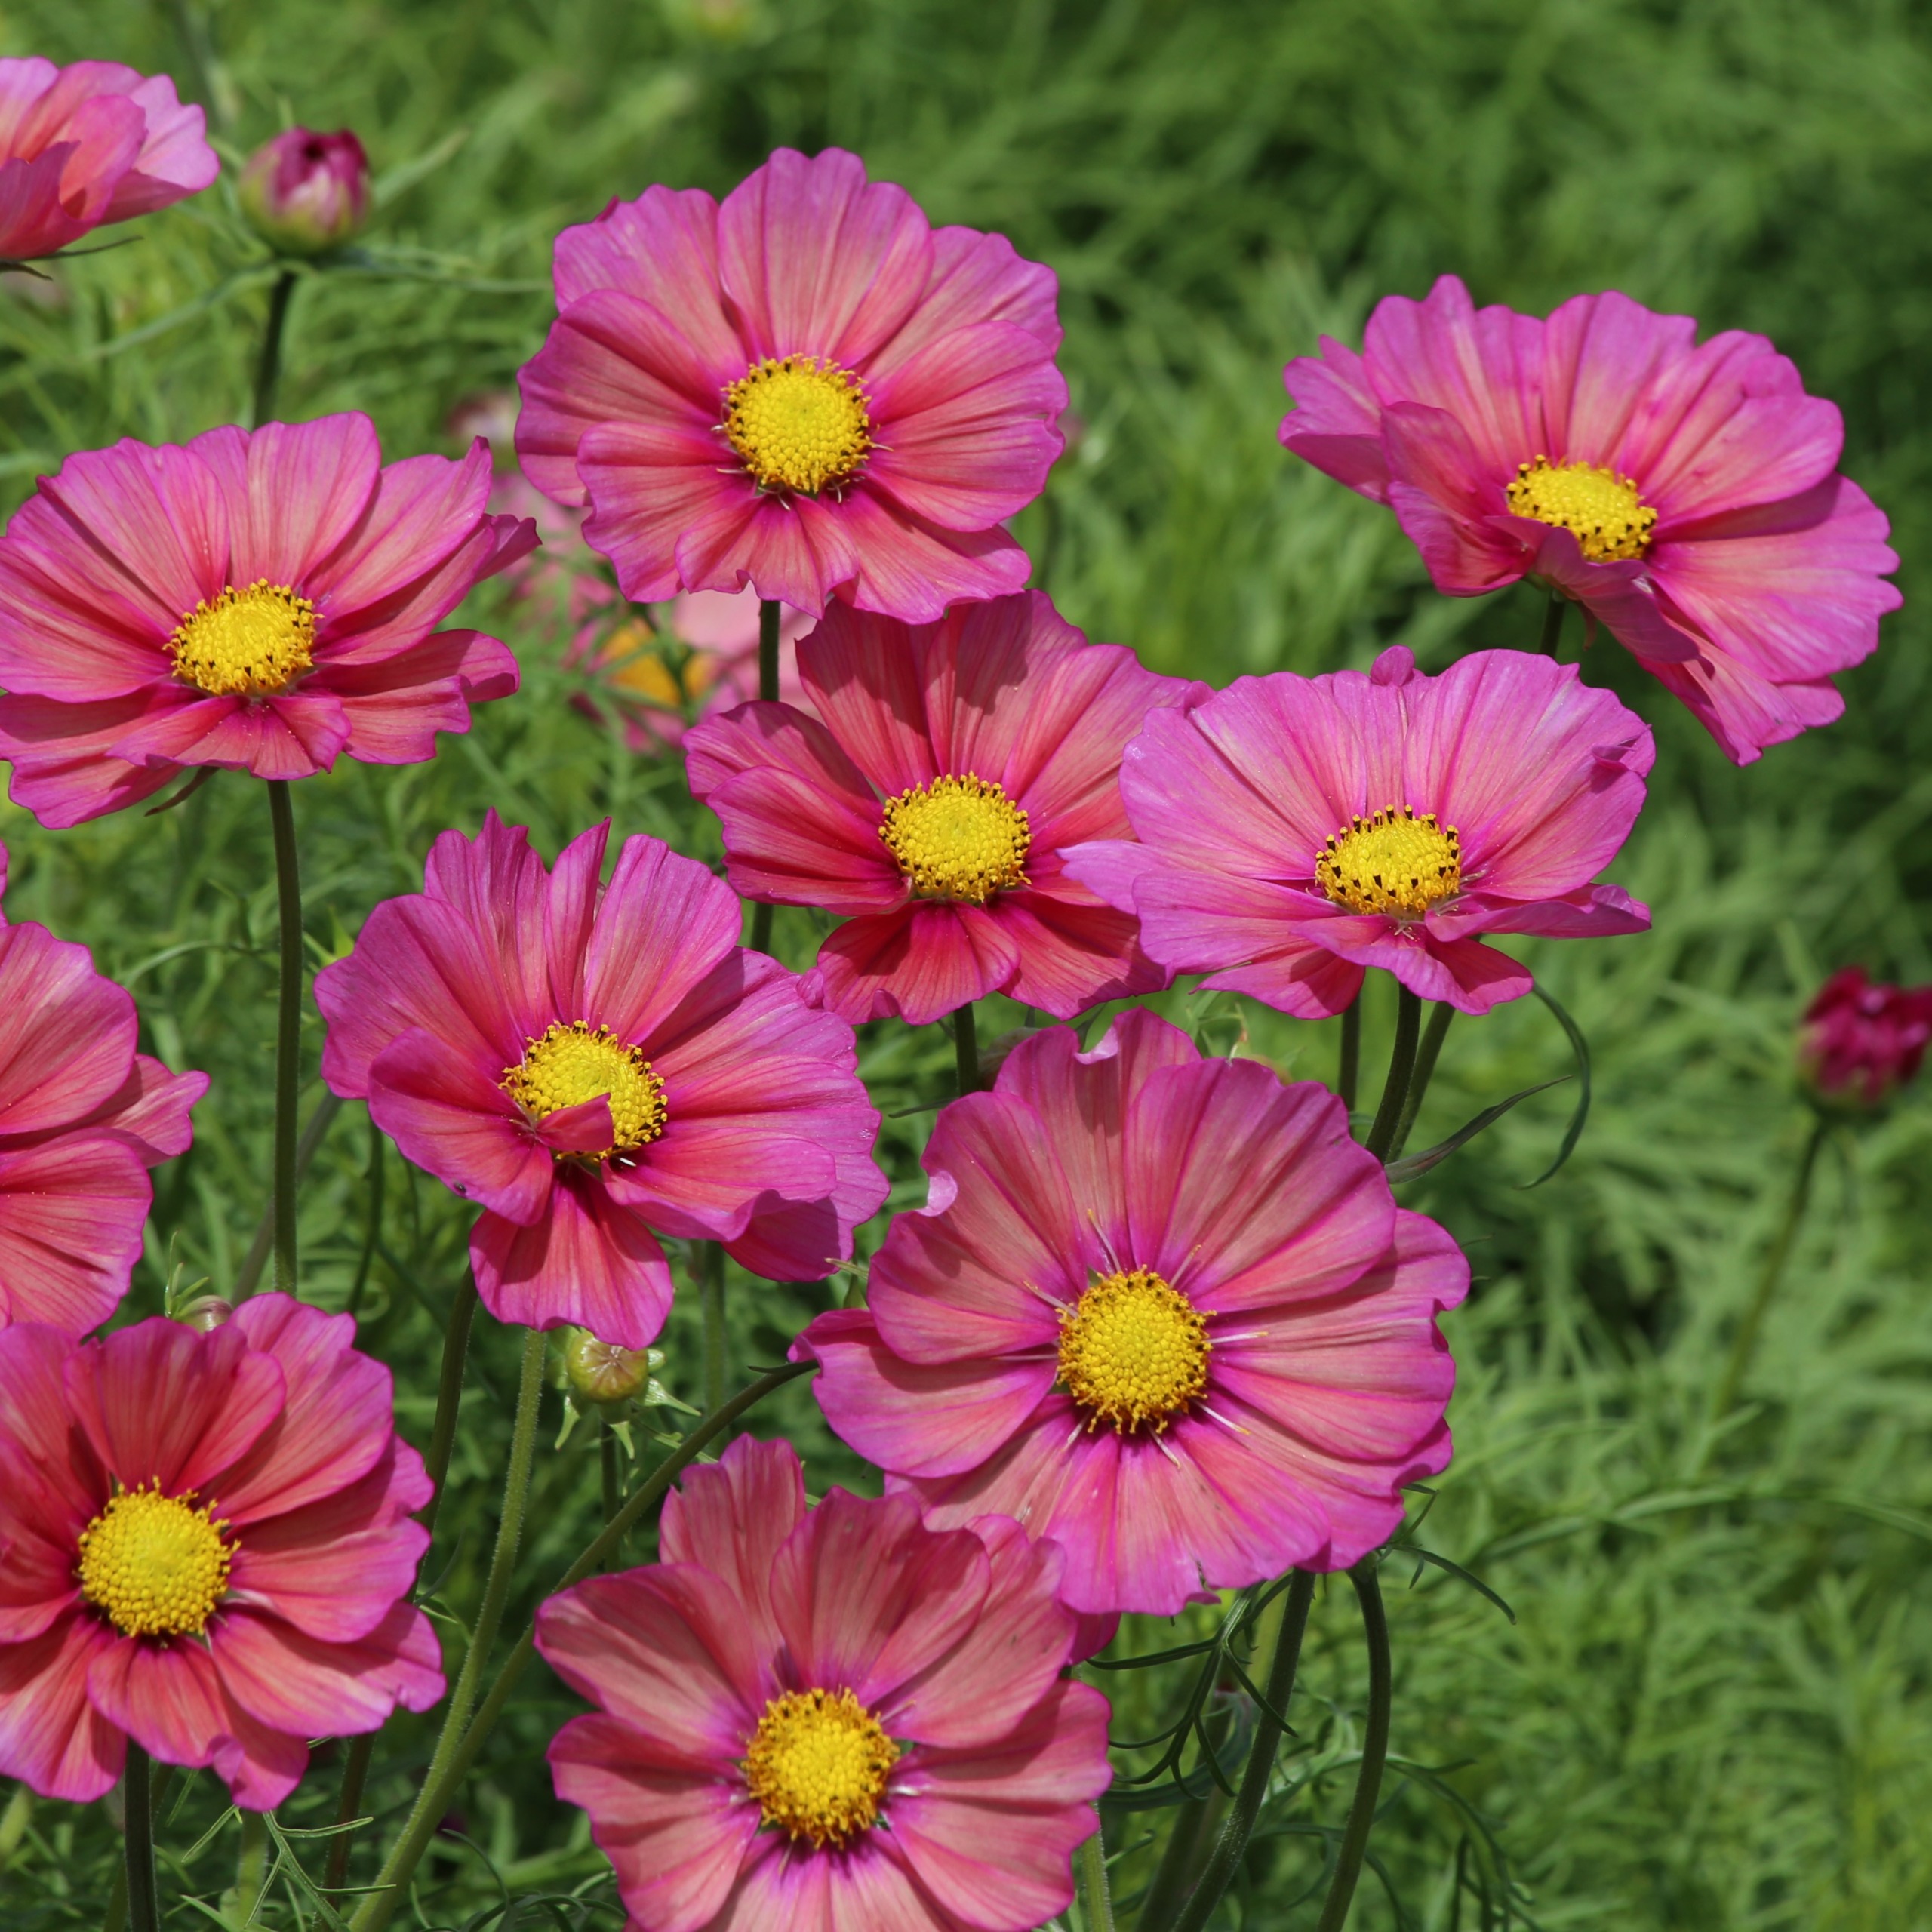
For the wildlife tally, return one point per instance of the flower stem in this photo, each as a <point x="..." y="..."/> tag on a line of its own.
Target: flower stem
<point x="1190" y="1838"/>
<point x="372" y="1228"/>
<point x="1401" y="1071"/>
<point x="137" y="1803"/>
<point x="349" y="1807"/>
<point x="288" y="1031"/>
<point x="966" y="1048"/>
<point x="1745" y="1343"/>
<point x="248" y="1276"/>
<point x="1090" y="1863"/>
<point x="1374" y="1751"/>
<point x="712" y="1293"/>
<point x="448" y="1769"/>
<point x="250" y="1872"/>
<point x="1552" y="623"/>
<point x="769" y="611"/>
<point x="1231" y="1846"/>
<point x="1348" y="1075"/>
<point x="1425" y="1071"/>
<point x="607" y="1470"/>
<point x="268" y="366"/>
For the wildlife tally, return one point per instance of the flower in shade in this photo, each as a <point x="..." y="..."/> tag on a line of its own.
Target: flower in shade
<point x="208" y="1550"/>
<point x="1295" y="831"/>
<point x="83" y="1117"/>
<point x="1685" y="494"/>
<point x="1861" y="1041"/>
<point x="1159" y="1310"/>
<point x="808" y="388"/>
<point x="828" y="1719"/>
<point x="83" y="145"/>
<point x="590" y="1065"/>
<point x="307" y="192"/>
<point x="953" y="762"/>
<point x="265" y="601"/>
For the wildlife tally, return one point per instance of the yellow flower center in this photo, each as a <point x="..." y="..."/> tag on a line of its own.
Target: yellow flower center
<point x="1133" y="1350"/>
<point x="817" y="1764"/>
<point x="958" y="839"/>
<point x="575" y="1062"/>
<point x="1609" y="519"/>
<point x="1394" y="862"/>
<point x="799" y="423"/>
<point x="157" y="1565"/>
<point x="247" y="643"/>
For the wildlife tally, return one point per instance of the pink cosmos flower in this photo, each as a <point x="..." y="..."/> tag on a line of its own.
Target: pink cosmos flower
<point x="1861" y="1041"/>
<point x="83" y="1117"/>
<point x="1297" y="830"/>
<point x="807" y="389"/>
<point x="1159" y="1310"/>
<point x="954" y="762"/>
<point x="208" y="1550"/>
<point x="1686" y="495"/>
<point x="307" y="193"/>
<point x="265" y="602"/>
<point x="83" y="145"/>
<point x="827" y="1720"/>
<point x="590" y="1065"/>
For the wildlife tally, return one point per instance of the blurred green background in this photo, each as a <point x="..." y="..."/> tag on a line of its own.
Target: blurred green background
<point x="1712" y="1712"/>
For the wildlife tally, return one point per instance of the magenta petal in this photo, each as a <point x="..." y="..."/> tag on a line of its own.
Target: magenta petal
<point x="931" y="958"/>
<point x="664" y="923"/>
<point x="149" y="1112"/>
<point x="51" y="1738"/>
<point x="166" y="1696"/>
<point x="292" y="492"/>
<point x="732" y="1518"/>
<point x="290" y="1682"/>
<point x="66" y="1034"/>
<point x="499" y="886"/>
<point x="71" y="1213"/>
<point x="1337" y="422"/>
<point x="1073" y="957"/>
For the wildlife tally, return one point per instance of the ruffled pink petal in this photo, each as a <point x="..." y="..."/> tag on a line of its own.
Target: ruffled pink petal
<point x="175" y="159"/>
<point x="706" y="1178"/>
<point x="294" y="734"/>
<point x="1747" y="714"/>
<point x="1337" y="422"/>
<point x="1591" y="912"/>
<point x="292" y="493"/>
<point x="395" y="707"/>
<point x="32" y="221"/>
<point x="414" y="516"/>
<point x="35" y="1420"/>
<point x="1073" y="957"/>
<point x="61" y="771"/>
<point x="907" y="567"/>
<point x="588" y="1262"/>
<point x="51" y="1738"/>
<point x="66" y="1034"/>
<point x="40" y="1530"/>
<point x="1603" y="357"/>
<point x="870" y="1886"/>
<point x="975" y="277"/>
<point x="805" y="1241"/>
<point x="732" y="1518"/>
<point x="662" y="248"/>
<point x="1461" y="973"/>
<point x="930" y="958"/>
<point x="149" y="1112"/>
<point x="1446" y="500"/>
<point x="72" y="1209"/>
<point x="287" y="1681"/>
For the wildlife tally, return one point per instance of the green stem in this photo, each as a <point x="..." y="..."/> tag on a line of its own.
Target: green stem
<point x="1091" y="1864"/>
<point x="1348" y="1075"/>
<point x="1401" y="1070"/>
<point x="1232" y="1847"/>
<point x="248" y="1276"/>
<point x="966" y="1049"/>
<point x="1425" y="1071"/>
<point x="1189" y="1840"/>
<point x="138" y="1803"/>
<point x="1374" y="1752"/>
<point x="288" y="1031"/>
<point x="446" y="1771"/>
<point x="713" y="1305"/>
<point x="349" y="1807"/>
<point x="1553" y="615"/>
<point x="608" y="1459"/>
<point x="372" y="1224"/>
<point x="268" y="366"/>
<point x="449" y="1395"/>
<point x="769" y="612"/>
<point x="250" y="1872"/>
<point x="1745" y="1343"/>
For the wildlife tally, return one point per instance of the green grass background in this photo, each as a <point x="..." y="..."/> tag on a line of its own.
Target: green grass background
<point x="1711" y="1712"/>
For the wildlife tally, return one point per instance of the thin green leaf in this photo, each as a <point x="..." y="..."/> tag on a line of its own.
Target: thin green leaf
<point x="1581" y="1048"/>
<point x="1407" y="1169"/>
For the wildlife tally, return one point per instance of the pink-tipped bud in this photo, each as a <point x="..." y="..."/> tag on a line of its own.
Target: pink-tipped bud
<point x="1861" y="1041"/>
<point x="305" y="192"/>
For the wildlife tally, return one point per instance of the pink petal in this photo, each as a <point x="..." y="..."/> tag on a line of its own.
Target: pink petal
<point x="932" y="958"/>
<point x="51" y="1738"/>
<point x="294" y="734"/>
<point x="906" y="566"/>
<point x="732" y="1518"/>
<point x="1337" y="422"/>
<point x="289" y="1682"/>
<point x="416" y="515"/>
<point x="975" y="277"/>
<point x="1073" y="957"/>
<point x="71" y="1213"/>
<point x="292" y="493"/>
<point x="149" y="1112"/>
<point x="66" y="1034"/>
<point x="395" y="707"/>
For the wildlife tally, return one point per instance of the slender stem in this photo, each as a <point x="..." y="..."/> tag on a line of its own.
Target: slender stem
<point x="712" y="1296"/>
<point x="1553" y="615"/>
<point x="268" y="366"/>
<point x="138" y="1803"/>
<point x="769" y="612"/>
<point x="449" y="1395"/>
<point x="288" y="1031"/>
<point x="1231" y="1846"/>
<point x="1090" y="1865"/>
<point x="1401" y="1070"/>
<point x="440" y="1785"/>
<point x="1744" y="1344"/>
<point x="250" y="1870"/>
<point x="608" y="1459"/>
<point x="1374" y="1751"/>
<point x="248" y="1276"/>
<point x="1425" y="1071"/>
<point x="1189" y="1839"/>
<point x="966" y="1048"/>
<point x="348" y="1807"/>
<point x="372" y="1227"/>
<point x="1348" y="1075"/>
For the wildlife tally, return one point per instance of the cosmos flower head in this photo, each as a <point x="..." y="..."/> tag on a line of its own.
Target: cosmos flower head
<point x="927" y="800"/>
<point x="1160" y="1308"/>
<point x="265" y="601"/>
<point x="307" y="193"/>
<point x="1861" y="1040"/>
<point x="209" y="1551"/>
<point x="1686" y="494"/>
<point x="595" y="1066"/>
<point x="830" y="1718"/>
<point x="1295" y="831"/>
<point x="807" y="389"/>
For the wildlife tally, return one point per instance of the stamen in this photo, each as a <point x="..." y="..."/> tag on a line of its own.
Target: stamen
<point x="1394" y="862"/>
<point x="798" y="423"/>
<point x="1132" y="1352"/>
<point x="575" y="1062"/>
<point x="817" y="1764"/>
<point x="960" y="838"/>
<point x="248" y="643"/>
<point x="1609" y="519"/>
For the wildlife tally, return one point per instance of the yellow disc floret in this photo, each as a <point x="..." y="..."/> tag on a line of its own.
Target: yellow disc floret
<point x="155" y="1565"/>
<point x="246" y="644"/>
<point x="575" y="1062"/>
<point x="798" y="423"/>
<point x="1602" y="509"/>
<point x="1395" y="862"/>
<point x="817" y="1764"/>
<point x="1133" y="1351"/>
<point x="958" y="839"/>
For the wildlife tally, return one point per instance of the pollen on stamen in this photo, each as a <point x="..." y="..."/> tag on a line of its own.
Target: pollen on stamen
<point x="1395" y="862"/>
<point x="1601" y="509"/>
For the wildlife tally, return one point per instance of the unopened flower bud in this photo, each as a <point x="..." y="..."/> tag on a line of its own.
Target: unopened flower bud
<point x="305" y="192"/>
<point x="204" y="1313"/>
<point x="604" y="1374"/>
<point x="1861" y="1041"/>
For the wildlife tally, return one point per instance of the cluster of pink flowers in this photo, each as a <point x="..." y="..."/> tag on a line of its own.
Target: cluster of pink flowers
<point x="1160" y="1330"/>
